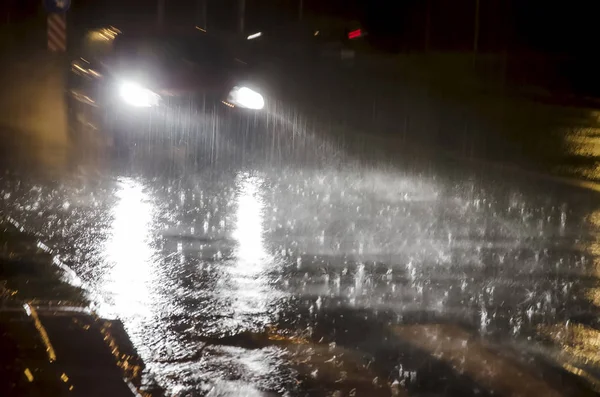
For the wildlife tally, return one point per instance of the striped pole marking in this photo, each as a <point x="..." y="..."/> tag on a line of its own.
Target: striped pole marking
<point x="57" y="32"/>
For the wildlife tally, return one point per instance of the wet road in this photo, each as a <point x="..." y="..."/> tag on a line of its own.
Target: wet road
<point x="275" y="274"/>
<point x="316" y="280"/>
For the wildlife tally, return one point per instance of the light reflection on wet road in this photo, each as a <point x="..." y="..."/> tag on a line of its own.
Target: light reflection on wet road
<point x="329" y="281"/>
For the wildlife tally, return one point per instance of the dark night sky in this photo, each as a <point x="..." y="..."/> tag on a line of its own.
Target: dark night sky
<point x="513" y="25"/>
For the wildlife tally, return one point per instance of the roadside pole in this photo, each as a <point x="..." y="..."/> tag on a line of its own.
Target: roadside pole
<point x="57" y="24"/>
<point x="476" y="31"/>
<point x="57" y="32"/>
<point x="160" y="13"/>
<point x="427" y="26"/>
<point x="52" y="91"/>
<point x="201" y="14"/>
<point x="241" y="15"/>
<point x="204" y="14"/>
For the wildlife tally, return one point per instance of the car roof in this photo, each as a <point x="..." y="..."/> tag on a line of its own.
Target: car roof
<point x="170" y="33"/>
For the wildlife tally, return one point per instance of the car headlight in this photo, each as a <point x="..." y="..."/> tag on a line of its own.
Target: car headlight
<point x="245" y="97"/>
<point x="138" y="96"/>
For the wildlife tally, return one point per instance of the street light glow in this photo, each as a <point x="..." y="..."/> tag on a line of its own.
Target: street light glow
<point x="255" y="36"/>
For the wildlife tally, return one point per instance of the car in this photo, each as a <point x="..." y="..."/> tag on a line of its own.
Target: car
<point x="162" y="86"/>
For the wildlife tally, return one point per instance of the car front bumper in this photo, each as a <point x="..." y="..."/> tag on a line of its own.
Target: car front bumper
<point x="174" y="118"/>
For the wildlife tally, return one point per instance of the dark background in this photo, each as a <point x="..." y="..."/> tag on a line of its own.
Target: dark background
<point x="539" y="40"/>
<point x="406" y="25"/>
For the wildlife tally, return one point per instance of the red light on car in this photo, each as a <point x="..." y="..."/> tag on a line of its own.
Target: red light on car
<point x="355" y="34"/>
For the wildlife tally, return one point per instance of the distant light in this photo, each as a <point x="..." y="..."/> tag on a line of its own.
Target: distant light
<point x="355" y="34"/>
<point x="43" y="334"/>
<point x="82" y="70"/>
<point x="98" y="36"/>
<point x="200" y="29"/>
<point x="316" y="32"/>
<point x="28" y="374"/>
<point x="112" y="32"/>
<point x="255" y="35"/>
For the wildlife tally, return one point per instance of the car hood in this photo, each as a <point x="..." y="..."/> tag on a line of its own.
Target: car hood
<point x="183" y="78"/>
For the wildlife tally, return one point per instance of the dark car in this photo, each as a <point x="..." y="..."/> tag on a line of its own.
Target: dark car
<point x="163" y="85"/>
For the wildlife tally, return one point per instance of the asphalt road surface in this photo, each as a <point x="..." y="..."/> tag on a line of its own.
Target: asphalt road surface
<point x="274" y="274"/>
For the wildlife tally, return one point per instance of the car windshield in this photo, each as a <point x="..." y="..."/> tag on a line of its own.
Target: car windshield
<point x="173" y="49"/>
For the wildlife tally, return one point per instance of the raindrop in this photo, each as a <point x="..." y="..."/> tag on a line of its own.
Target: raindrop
<point x="516" y="325"/>
<point x="530" y="312"/>
<point x="413" y="375"/>
<point x="412" y="271"/>
<point x="359" y="278"/>
<point x="484" y="319"/>
<point x="337" y="281"/>
<point x="548" y="298"/>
